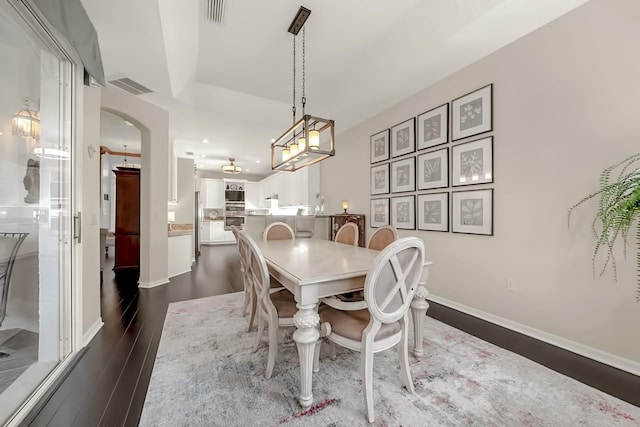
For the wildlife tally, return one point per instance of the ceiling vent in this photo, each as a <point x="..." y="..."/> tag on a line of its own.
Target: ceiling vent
<point x="215" y="11"/>
<point x="189" y="153"/>
<point x="130" y="86"/>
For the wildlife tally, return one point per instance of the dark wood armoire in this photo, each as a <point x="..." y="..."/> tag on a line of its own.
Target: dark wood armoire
<point x="337" y="221"/>
<point x="127" y="232"/>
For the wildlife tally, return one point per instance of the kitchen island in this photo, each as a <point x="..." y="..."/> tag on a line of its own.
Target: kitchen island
<point x="303" y="225"/>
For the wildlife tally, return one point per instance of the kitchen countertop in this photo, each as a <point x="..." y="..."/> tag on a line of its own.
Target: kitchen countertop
<point x="180" y="230"/>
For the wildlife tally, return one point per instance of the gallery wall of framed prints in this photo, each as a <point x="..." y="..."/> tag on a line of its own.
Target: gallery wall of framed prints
<point x="423" y="169"/>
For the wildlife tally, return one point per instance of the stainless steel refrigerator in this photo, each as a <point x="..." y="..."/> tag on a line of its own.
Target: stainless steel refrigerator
<point x="197" y="224"/>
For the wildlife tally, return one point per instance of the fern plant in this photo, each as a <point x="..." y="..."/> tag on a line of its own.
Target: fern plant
<point x="618" y="211"/>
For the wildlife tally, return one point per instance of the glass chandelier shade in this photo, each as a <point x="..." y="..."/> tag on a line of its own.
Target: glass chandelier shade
<point x="26" y="123"/>
<point x="231" y="167"/>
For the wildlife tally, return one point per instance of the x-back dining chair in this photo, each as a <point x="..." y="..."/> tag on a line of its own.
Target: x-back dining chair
<point x="383" y="323"/>
<point x="274" y="309"/>
<point x="348" y="234"/>
<point x="278" y="231"/>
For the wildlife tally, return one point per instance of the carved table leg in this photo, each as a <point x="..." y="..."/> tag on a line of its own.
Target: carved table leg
<point x="419" y="307"/>
<point x="306" y="336"/>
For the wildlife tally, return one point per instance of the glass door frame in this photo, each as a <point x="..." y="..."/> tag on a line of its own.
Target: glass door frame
<point x="70" y="249"/>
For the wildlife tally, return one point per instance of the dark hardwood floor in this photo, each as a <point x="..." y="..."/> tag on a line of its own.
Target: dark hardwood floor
<point x="108" y="382"/>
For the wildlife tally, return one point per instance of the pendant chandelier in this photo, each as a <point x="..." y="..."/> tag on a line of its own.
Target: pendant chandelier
<point x="26" y="123"/>
<point x="310" y="139"/>
<point x="231" y="167"/>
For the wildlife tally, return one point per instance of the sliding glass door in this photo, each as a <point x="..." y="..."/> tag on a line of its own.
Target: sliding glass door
<point x="35" y="206"/>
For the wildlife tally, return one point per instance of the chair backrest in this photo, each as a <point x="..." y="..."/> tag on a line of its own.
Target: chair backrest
<point x="278" y="231"/>
<point x="348" y="234"/>
<point x="258" y="274"/>
<point x="9" y="246"/>
<point x="393" y="279"/>
<point x="382" y="237"/>
<point x="245" y="254"/>
<point x="235" y="230"/>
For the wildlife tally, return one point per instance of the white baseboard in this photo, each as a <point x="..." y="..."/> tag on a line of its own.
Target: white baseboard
<point x="181" y="272"/>
<point x="153" y="284"/>
<point x="575" y="347"/>
<point x="93" y="330"/>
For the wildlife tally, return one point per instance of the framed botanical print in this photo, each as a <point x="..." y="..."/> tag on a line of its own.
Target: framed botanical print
<point x="472" y="212"/>
<point x="433" y="127"/>
<point x="380" y="146"/>
<point x="433" y="169"/>
<point x="433" y="212"/>
<point x="471" y="113"/>
<point x="403" y="212"/>
<point x="403" y="175"/>
<point x="379" y="212"/>
<point x="380" y="179"/>
<point x="403" y="138"/>
<point x="473" y="162"/>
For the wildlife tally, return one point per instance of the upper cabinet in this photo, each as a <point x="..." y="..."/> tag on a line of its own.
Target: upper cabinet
<point x="212" y="191"/>
<point x="252" y="195"/>
<point x="293" y="188"/>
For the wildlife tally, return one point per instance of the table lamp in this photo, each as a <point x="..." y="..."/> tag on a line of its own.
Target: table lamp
<point x="345" y="205"/>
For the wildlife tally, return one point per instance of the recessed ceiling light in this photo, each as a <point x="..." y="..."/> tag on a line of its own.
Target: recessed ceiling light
<point x="205" y="141"/>
<point x="1" y="133"/>
<point x="246" y="170"/>
<point x="273" y="140"/>
<point x="128" y="123"/>
<point x="257" y="161"/>
<point x="203" y="155"/>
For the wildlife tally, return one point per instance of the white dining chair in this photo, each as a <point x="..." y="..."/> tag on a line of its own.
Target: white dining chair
<point x="382" y="237"/>
<point x="348" y="234"/>
<point x="274" y="308"/>
<point x="278" y="231"/>
<point x="381" y="321"/>
<point x="250" y="301"/>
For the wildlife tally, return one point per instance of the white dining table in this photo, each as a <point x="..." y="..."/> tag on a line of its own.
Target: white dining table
<point x="315" y="268"/>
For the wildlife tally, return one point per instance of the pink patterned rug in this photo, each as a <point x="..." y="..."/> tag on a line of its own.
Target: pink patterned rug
<point x="206" y="375"/>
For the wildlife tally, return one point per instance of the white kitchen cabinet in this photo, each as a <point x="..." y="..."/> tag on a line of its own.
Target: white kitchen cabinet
<point x="205" y="237"/>
<point x="252" y="195"/>
<point x="293" y="188"/>
<point x="219" y="234"/>
<point x="213" y="190"/>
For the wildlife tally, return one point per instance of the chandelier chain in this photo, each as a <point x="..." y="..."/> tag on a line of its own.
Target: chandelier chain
<point x="304" y="96"/>
<point x="293" y="107"/>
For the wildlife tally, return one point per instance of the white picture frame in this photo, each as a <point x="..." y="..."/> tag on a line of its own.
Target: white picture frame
<point x="433" y="127"/>
<point x="433" y="169"/>
<point x="433" y="212"/>
<point x="472" y="212"/>
<point x="403" y="212"/>
<point x="403" y="175"/>
<point x="379" y="146"/>
<point x="471" y="114"/>
<point x="379" y="179"/>
<point x="379" y="212"/>
<point x="403" y="138"/>
<point x="472" y="162"/>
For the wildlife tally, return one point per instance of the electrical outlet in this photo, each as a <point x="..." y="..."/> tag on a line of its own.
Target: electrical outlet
<point x="511" y="285"/>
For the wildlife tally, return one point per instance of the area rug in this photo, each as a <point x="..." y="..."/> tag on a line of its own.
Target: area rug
<point x="205" y="374"/>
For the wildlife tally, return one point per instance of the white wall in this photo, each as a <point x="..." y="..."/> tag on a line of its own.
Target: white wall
<point x="185" y="207"/>
<point x="565" y="106"/>
<point x="91" y="250"/>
